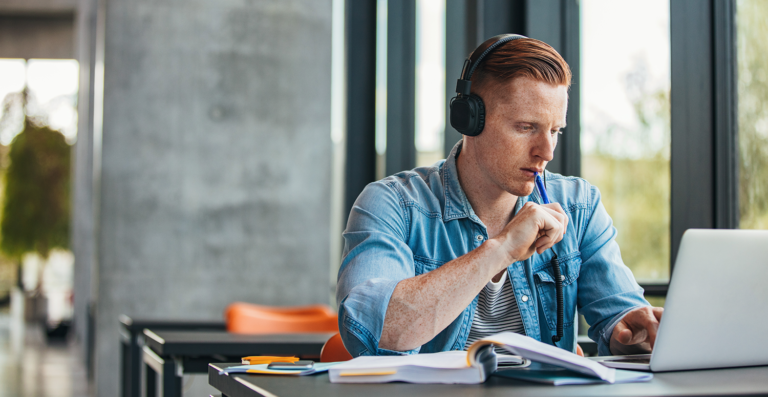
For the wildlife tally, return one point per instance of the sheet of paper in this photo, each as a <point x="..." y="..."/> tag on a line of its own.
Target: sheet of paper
<point x="262" y="369"/>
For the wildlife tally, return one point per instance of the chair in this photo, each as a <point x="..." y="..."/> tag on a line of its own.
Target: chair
<point x="249" y="318"/>
<point x="334" y="350"/>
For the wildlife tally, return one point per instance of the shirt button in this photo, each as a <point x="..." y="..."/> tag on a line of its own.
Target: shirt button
<point x="525" y="298"/>
<point x="479" y="237"/>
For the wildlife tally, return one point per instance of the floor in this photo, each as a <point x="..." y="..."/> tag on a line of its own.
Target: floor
<point x="31" y="366"/>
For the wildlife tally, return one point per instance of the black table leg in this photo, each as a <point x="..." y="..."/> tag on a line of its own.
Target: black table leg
<point x="125" y="369"/>
<point x="168" y="371"/>
<point x="130" y="364"/>
<point x="171" y="380"/>
<point x="134" y="387"/>
<point x="151" y="386"/>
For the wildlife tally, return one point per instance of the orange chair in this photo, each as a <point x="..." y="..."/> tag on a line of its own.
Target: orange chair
<point x="249" y="318"/>
<point x="334" y="350"/>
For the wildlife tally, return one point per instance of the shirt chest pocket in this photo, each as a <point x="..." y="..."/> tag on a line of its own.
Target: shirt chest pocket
<point x="570" y="265"/>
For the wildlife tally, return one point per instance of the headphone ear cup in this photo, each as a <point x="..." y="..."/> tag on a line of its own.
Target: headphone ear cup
<point x="460" y="114"/>
<point x="479" y="106"/>
<point x="468" y="114"/>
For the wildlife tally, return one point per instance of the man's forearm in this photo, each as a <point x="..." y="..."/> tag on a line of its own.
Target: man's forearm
<point x="422" y="306"/>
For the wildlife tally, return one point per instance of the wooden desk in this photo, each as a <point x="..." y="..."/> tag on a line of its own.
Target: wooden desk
<point x="171" y="354"/>
<point x="721" y="382"/>
<point x="132" y="341"/>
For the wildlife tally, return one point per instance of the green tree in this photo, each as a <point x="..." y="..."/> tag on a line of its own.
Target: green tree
<point x="752" y="31"/>
<point x="635" y="191"/>
<point x="36" y="206"/>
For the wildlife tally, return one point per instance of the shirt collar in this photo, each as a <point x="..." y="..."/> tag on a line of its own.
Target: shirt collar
<point x="456" y="203"/>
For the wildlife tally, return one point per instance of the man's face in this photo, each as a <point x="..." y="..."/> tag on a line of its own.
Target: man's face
<point x="523" y="120"/>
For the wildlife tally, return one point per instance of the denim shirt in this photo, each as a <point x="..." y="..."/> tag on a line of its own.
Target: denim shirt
<point x="413" y="222"/>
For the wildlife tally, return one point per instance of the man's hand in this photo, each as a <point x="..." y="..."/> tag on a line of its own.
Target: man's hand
<point x="636" y="332"/>
<point x="535" y="228"/>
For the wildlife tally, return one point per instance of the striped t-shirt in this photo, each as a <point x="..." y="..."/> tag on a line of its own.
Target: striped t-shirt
<point x="496" y="311"/>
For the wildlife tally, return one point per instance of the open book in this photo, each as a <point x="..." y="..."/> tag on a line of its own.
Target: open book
<point x="472" y="366"/>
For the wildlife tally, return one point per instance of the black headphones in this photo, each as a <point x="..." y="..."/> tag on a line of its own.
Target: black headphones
<point x="468" y="110"/>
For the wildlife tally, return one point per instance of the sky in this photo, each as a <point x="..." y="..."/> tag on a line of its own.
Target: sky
<point x="52" y="82"/>
<point x="619" y="38"/>
<point x="430" y="75"/>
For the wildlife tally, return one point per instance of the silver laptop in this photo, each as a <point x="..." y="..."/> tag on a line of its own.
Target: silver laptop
<point x="716" y="313"/>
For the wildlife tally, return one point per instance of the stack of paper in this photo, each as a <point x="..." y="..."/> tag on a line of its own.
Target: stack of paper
<point x="444" y="367"/>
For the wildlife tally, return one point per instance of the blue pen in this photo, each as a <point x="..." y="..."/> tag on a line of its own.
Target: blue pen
<point x="540" y="188"/>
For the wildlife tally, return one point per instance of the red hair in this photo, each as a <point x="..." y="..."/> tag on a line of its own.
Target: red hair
<point x="524" y="58"/>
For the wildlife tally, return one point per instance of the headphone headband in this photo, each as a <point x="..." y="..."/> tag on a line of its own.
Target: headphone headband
<point x="476" y="57"/>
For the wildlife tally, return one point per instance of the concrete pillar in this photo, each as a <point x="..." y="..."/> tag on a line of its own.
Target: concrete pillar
<point x="215" y="161"/>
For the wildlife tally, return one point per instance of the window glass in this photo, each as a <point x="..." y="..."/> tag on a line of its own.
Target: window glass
<point x="430" y="81"/>
<point x="752" y="47"/>
<point x="381" y="88"/>
<point x="625" y="131"/>
<point x="11" y="84"/>
<point x="50" y="99"/>
<point x="52" y="95"/>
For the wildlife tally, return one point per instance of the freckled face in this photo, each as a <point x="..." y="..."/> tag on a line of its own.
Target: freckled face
<point x="523" y="120"/>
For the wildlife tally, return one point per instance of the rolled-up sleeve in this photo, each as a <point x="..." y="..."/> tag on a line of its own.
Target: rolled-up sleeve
<point x="375" y="258"/>
<point x="607" y="288"/>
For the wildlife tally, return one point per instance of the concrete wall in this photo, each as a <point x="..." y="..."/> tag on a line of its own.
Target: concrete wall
<point x="82" y="238"/>
<point x="215" y="161"/>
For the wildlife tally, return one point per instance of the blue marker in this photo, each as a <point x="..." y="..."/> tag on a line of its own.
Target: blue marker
<point x="540" y="188"/>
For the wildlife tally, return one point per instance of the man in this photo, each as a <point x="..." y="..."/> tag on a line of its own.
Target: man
<point x="440" y="256"/>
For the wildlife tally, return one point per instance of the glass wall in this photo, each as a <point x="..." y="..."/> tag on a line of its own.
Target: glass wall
<point x="45" y="92"/>
<point x="381" y="88"/>
<point x="430" y="81"/>
<point x="752" y="47"/>
<point x="51" y="98"/>
<point x="625" y="125"/>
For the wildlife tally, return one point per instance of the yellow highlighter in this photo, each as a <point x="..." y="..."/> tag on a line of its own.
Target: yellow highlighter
<point x="254" y="360"/>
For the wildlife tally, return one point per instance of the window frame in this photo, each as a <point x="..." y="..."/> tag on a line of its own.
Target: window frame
<point x="704" y="153"/>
